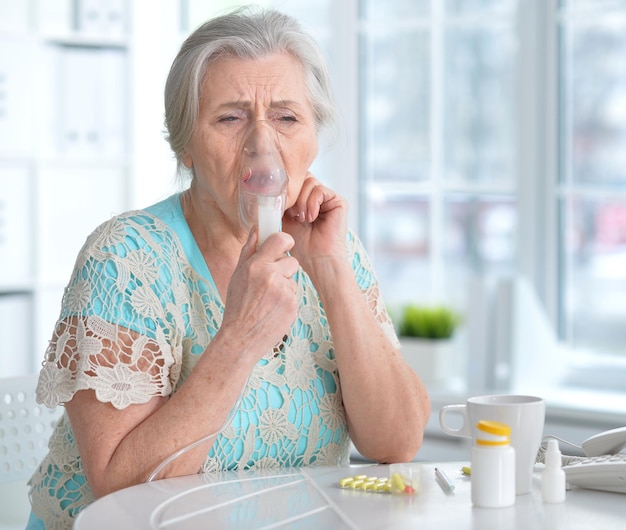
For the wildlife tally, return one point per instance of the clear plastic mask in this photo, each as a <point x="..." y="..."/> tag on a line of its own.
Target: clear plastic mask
<point x="263" y="181"/>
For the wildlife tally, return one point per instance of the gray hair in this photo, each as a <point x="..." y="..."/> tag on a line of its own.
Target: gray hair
<point x="247" y="35"/>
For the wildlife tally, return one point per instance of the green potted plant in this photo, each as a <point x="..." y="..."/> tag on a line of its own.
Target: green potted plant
<point x="426" y="337"/>
<point x="433" y="323"/>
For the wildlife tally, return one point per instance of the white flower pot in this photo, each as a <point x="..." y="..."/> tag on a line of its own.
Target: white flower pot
<point x="431" y="359"/>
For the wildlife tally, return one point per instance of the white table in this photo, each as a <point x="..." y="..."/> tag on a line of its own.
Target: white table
<point x="311" y="498"/>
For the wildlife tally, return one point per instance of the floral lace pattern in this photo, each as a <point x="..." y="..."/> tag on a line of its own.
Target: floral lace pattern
<point x="134" y="318"/>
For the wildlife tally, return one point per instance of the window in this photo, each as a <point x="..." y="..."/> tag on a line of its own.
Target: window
<point x="438" y="143"/>
<point x="492" y="147"/>
<point x="438" y="147"/>
<point x="590" y="196"/>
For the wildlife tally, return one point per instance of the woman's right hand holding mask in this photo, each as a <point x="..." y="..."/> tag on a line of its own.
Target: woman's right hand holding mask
<point x="261" y="301"/>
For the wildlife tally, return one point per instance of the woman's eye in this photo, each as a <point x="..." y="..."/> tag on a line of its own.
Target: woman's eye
<point x="228" y="119"/>
<point x="288" y="118"/>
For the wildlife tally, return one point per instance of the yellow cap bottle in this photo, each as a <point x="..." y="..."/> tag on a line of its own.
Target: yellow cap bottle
<point x="493" y="466"/>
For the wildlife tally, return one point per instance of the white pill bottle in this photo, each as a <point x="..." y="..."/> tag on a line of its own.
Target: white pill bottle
<point x="493" y="466"/>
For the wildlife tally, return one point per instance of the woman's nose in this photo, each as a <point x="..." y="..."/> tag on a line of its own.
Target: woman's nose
<point x="263" y="170"/>
<point x="260" y="140"/>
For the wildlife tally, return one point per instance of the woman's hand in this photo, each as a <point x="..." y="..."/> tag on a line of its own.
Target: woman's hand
<point x="318" y="223"/>
<point x="261" y="299"/>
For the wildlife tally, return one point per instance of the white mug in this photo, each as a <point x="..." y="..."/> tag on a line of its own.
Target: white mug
<point x="524" y="414"/>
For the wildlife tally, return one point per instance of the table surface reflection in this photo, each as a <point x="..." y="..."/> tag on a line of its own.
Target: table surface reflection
<point x="306" y="498"/>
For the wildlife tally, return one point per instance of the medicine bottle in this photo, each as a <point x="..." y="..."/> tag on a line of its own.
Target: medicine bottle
<point x="493" y="466"/>
<point x="553" y="476"/>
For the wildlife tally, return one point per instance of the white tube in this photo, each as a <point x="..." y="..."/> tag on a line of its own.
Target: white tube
<point x="269" y="217"/>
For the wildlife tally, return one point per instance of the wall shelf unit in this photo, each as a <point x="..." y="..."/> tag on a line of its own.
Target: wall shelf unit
<point x="80" y="114"/>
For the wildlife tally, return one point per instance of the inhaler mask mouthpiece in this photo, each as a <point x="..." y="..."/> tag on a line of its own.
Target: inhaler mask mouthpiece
<point x="263" y="182"/>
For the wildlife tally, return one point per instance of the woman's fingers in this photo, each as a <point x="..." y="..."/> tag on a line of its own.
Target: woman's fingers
<point x="274" y="252"/>
<point x="276" y="246"/>
<point x="314" y="200"/>
<point x="300" y="211"/>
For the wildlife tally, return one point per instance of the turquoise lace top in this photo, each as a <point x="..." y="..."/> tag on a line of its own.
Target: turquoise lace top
<point x="141" y="279"/>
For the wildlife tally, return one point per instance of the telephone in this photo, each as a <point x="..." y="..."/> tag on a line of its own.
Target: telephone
<point x="605" y="443"/>
<point x="602" y="468"/>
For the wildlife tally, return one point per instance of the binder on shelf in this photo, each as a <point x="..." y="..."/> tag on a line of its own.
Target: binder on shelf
<point x="116" y="17"/>
<point x="16" y="253"/>
<point x="85" y="113"/>
<point x="54" y="17"/>
<point x="50" y="114"/>
<point x="14" y="16"/>
<point x="101" y="18"/>
<point x="16" y="335"/>
<point x="79" y="102"/>
<point x="16" y="98"/>
<point x="112" y="106"/>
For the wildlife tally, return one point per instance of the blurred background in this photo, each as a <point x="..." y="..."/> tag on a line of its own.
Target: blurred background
<point x="482" y="147"/>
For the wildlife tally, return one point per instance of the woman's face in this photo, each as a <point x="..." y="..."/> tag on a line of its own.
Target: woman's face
<point x="244" y="101"/>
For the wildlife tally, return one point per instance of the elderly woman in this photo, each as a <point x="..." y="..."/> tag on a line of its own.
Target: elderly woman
<point x="178" y="323"/>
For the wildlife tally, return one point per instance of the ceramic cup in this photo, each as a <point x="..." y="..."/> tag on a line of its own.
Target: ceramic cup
<point x="524" y="414"/>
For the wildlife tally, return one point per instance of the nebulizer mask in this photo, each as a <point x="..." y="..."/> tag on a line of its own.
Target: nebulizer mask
<point x="263" y="181"/>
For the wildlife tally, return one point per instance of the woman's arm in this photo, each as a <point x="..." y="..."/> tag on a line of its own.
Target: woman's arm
<point x="120" y="448"/>
<point x="386" y="404"/>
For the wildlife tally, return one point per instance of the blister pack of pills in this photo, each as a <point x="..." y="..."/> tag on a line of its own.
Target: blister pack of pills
<point x="405" y="479"/>
<point x="366" y="483"/>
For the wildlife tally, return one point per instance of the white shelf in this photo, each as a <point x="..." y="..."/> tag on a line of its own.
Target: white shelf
<point x="66" y="157"/>
<point x="86" y="41"/>
<point x="84" y="161"/>
<point x="21" y="287"/>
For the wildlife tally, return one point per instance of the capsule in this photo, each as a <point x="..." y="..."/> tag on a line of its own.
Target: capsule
<point x="382" y="485"/>
<point x="346" y="481"/>
<point x="397" y="482"/>
<point x="356" y="484"/>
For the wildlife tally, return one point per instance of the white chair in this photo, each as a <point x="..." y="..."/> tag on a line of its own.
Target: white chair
<point x="25" y="427"/>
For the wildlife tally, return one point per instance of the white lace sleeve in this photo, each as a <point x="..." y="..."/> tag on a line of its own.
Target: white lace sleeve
<point x="115" y="333"/>
<point x="368" y="283"/>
